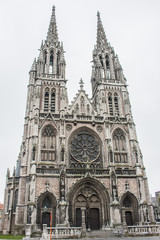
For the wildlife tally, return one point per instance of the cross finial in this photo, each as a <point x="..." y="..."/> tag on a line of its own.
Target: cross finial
<point x="47" y="185"/>
<point x="81" y="84"/>
<point x="127" y="185"/>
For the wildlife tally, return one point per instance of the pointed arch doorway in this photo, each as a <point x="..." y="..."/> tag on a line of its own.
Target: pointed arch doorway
<point x="89" y="198"/>
<point x="46" y="207"/>
<point x="129" y="209"/>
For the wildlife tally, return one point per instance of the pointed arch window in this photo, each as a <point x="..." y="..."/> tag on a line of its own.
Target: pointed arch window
<point x="15" y="200"/>
<point x="46" y="203"/>
<point x="45" y="61"/>
<point x="119" y="146"/>
<point x="33" y="153"/>
<point x="101" y="60"/>
<point x="110" y="104"/>
<point x="46" y="100"/>
<point x="8" y="202"/>
<point x="107" y="66"/>
<point x="127" y="202"/>
<point x="51" y="59"/>
<point x="116" y="103"/>
<point x="58" y="63"/>
<point x="53" y="97"/>
<point x="48" y="144"/>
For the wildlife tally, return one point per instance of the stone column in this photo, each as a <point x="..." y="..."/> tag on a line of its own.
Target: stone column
<point x="124" y="218"/>
<point x="83" y="209"/>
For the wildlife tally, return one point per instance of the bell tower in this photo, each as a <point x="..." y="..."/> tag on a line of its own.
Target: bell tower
<point x="108" y="81"/>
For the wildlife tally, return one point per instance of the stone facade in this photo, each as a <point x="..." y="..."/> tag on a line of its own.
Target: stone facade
<point x="79" y="164"/>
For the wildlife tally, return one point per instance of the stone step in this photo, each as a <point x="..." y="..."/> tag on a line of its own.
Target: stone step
<point x="100" y="233"/>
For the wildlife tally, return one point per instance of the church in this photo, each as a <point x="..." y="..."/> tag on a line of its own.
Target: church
<point x="80" y="164"/>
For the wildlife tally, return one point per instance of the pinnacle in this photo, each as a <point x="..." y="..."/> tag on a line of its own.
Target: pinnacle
<point x="33" y="68"/>
<point x="52" y="35"/>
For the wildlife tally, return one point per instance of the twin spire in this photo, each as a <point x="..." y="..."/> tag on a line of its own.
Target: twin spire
<point x="52" y="35"/>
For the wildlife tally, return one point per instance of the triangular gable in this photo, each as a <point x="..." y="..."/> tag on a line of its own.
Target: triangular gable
<point x="81" y="104"/>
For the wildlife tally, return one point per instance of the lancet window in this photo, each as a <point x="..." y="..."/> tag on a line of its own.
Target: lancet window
<point x="49" y="100"/>
<point x="53" y="100"/>
<point x="116" y="103"/>
<point x="33" y="153"/>
<point x="48" y="144"/>
<point x="101" y="60"/>
<point x="107" y="66"/>
<point x="113" y="103"/>
<point x="46" y="100"/>
<point x="45" y="62"/>
<point x="110" y="103"/>
<point x="58" y="63"/>
<point x="119" y="146"/>
<point x="15" y="199"/>
<point x="51" y="59"/>
<point x="8" y="202"/>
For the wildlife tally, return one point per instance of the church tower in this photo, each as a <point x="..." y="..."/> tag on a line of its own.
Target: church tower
<point x="80" y="165"/>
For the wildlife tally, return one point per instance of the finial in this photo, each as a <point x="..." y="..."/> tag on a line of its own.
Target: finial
<point x="81" y="83"/>
<point x="53" y="8"/>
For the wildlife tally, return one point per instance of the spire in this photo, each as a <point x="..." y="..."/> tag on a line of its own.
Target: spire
<point x="52" y="35"/>
<point x="101" y="36"/>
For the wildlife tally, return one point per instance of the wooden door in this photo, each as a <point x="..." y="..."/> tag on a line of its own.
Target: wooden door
<point x="78" y="217"/>
<point x="46" y="218"/>
<point x="129" y="220"/>
<point x="94" y="219"/>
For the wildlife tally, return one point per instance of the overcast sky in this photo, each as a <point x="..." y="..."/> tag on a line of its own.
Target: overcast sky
<point x="133" y="29"/>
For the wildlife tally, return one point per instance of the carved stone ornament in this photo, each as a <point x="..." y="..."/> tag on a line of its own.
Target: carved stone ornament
<point x="99" y="128"/>
<point x="69" y="127"/>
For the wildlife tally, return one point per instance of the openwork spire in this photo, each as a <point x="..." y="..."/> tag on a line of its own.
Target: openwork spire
<point x="101" y="36"/>
<point x="52" y="35"/>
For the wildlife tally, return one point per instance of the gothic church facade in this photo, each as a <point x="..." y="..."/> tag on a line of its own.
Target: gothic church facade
<point x="81" y="159"/>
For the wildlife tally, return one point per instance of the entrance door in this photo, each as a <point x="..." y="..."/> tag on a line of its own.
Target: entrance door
<point x="129" y="220"/>
<point x="46" y="218"/>
<point x="78" y="217"/>
<point x="94" y="219"/>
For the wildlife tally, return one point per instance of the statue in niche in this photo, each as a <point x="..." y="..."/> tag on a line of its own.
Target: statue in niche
<point x="114" y="188"/>
<point x="62" y="153"/>
<point x="29" y="215"/>
<point x="62" y="185"/>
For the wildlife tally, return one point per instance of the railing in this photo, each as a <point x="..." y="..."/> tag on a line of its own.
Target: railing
<point x="125" y="172"/>
<point x="61" y="232"/>
<point x="53" y="115"/>
<point x="84" y="171"/>
<point x="144" y="230"/>
<point x="47" y="170"/>
<point x="84" y="117"/>
<point x="47" y="75"/>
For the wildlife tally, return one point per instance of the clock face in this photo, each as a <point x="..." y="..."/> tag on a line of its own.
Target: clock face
<point x="84" y="148"/>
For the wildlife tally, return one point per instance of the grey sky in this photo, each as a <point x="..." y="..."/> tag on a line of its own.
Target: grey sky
<point x="133" y="29"/>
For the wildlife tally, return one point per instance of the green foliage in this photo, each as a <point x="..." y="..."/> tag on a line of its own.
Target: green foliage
<point x="9" y="236"/>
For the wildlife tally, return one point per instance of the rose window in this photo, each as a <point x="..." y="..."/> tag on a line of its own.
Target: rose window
<point x="84" y="148"/>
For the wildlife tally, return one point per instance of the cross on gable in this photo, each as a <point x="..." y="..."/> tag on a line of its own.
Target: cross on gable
<point x="81" y="84"/>
<point x="126" y="185"/>
<point x="47" y="185"/>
